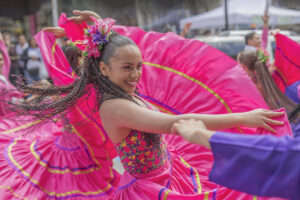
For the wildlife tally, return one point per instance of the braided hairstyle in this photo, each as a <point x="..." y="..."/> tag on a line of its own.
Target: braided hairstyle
<point x="89" y="77"/>
<point x="265" y="83"/>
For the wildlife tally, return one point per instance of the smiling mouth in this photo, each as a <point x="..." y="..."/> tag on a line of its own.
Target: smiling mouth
<point x="131" y="83"/>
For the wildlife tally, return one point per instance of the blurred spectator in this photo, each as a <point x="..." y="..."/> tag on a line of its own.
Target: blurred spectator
<point x="253" y="41"/>
<point x="33" y="61"/>
<point x="20" y="47"/>
<point x="15" y="66"/>
<point x="207" y="33"/>
<point x="184" y="32"/>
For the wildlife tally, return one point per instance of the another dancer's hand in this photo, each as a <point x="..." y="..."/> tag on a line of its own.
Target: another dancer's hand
<point x="83" y="16"/>
<point x="275" y="31"/>
<point x="265" y="18"/>
<point x="193" y="131"/>
<point x="57" y="31"/>
<point x="261" y="118"/>
<point x="1" y="37"/>
<point x="186" y="29"/>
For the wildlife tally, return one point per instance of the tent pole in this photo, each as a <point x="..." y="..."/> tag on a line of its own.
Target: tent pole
<point x="226" y="15"/>
<point x="54" y="12"/>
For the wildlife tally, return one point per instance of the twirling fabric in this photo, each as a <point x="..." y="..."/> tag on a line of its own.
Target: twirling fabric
<point x="287" y="64"/>
<point x="7" y="91"/>
<point x="6" y="63"/>
<point x="53" y="161"/>
<point x="184" y="76"/>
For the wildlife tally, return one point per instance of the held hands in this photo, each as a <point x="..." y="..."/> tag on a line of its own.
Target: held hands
<point x="83" y="16"/>
<point x="193" y="131"/>
<point x="261" y="118"/>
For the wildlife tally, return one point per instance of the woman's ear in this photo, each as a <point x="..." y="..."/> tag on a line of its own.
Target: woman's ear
<point x="103" y="68"/>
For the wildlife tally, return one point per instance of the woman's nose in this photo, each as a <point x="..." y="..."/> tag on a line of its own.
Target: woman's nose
<point x="135" y="73"/>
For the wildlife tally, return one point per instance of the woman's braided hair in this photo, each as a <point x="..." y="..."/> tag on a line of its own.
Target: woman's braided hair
<point x="89" y="77"/>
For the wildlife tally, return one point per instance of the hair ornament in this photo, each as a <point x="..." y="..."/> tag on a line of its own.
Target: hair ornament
<point x="263" y="56"/>
<point x="97" y="35"/>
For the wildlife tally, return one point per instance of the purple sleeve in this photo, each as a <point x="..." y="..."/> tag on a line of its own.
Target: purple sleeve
<point x="264" y="38"/>
<point x="258" y="165"/>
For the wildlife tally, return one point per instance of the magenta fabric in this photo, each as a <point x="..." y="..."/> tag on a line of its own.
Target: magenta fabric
<point x="58" y="165"/>
<point x="74" y="31"/>
<point x="55" y="61"/>
<point x="81" y="115"/>
<point x="280" y="130"/>
<point x="7" y="91"/>
<point x="287" y="59"/>
<point x="6" y="64"/>
<point x="183" y="76"/>
<point x="51" y="161"/>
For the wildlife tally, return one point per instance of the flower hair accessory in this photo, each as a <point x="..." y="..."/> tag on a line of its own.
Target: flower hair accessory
<point x="263" y="56"/>
<point x="97" y="35"/>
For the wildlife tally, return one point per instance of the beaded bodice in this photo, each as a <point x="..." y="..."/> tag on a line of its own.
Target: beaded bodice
<point x="139" y="156"/>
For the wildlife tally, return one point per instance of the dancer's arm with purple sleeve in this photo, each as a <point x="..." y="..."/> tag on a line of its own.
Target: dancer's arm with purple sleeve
<point x="260" y="165"/>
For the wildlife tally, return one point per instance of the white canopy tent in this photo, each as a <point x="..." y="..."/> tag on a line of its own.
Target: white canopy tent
<point x="242" y="12"/>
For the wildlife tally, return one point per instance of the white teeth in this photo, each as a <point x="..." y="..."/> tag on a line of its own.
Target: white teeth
<point x="132" y="83"/>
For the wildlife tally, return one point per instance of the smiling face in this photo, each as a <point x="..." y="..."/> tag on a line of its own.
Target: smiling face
<point x="124" y="68"/>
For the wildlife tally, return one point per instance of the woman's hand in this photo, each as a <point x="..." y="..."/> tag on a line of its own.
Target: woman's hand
<point x="57" y="31"/>
<point x="275" y="32"/>
<point x="193" y="131"/>
<point x="83" y="16"/>
<point x="186" y="29"/>
<point x="261" y="118"/>
<point x="265" y="18"/>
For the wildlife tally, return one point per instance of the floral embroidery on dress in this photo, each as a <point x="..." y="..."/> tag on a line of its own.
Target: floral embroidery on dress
<point x="139" y="157"/>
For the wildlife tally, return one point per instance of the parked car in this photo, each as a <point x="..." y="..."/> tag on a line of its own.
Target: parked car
<point x="232" y="42"/>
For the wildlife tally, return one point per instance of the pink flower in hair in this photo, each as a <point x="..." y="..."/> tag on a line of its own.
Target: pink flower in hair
<point x="97" y="35"/>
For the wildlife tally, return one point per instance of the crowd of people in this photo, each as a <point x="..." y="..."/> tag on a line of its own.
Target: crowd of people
<point x="25" y="59"/>
<point x="106" y="90"/>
